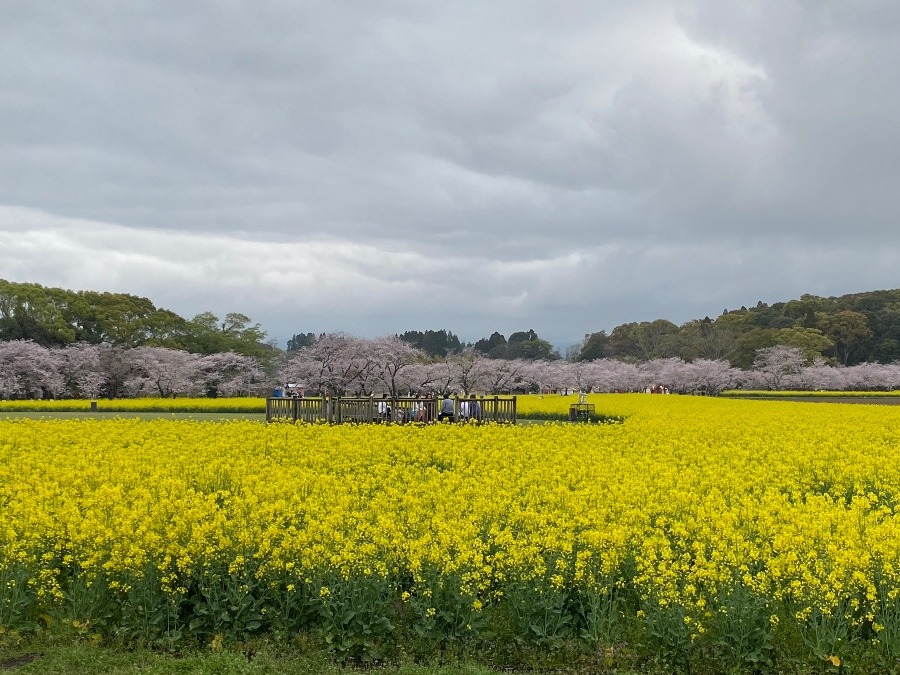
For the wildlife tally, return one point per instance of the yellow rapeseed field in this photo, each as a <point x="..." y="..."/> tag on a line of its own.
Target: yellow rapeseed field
<point x="700" y="509"/>
<point x="237" y="404"/>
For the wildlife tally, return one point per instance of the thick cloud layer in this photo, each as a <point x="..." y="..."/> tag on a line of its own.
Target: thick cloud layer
<point x="375" y="166"/>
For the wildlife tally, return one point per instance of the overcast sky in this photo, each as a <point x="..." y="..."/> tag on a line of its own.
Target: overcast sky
<point x="378" y="166"/>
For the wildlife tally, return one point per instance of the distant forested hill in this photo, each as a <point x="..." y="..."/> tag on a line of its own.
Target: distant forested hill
<point x="55" y="317"/>
<point x="844" y="330"/>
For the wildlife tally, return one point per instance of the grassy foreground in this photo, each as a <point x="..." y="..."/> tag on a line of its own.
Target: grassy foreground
<point x="89" y="659"/>
<point x="53" y="654"/>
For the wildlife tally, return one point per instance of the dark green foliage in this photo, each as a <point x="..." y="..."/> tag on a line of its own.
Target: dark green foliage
<point x="851" y="329"/>
<point x="355" y="617"/>
<point x="207" y="334"/>
<point x="644" y="341"/>
<point x="18" y="603"/>
<point x="520" y="345"/>
<point x="55" y="317"/>
<point x="667" y="635"/>
<point x="301" y="340"/>
<point x="513" y="625"/>
<point x="444" y="619"/>
<point x="435" y="343"/>
<point x="594" y="347"/>
<point x="527" y="345"/>
<point x="228" y="603"/>
<point x="541" y="613"/>
<point x="861" y="327"/>
<point x="741" y="630"/>
<point x="494" y="346"/>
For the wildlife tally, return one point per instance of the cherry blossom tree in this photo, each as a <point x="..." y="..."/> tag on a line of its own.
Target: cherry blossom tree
<point x="390" y="356"/>
<point x="469" y="370"/>
<point x="117" y="368"/>
<point x="618" y="376"/>
<point x="868" y="376"/>
<point x="775" y="364"/>
<point x="665" y="371"/>
<point x="556" y="375"/>
<point x="891" y="377"/>
<point x="586" y="375"/>
<point x="339" y="363"/>
<point x="164" y="372"/>
<point x="533" y="377"/>
<point x="444" y="377"/>
<point x="227" y="373"/>
<point x="503" y="375"/>
<point x="333" y="364"/>
<point x="81" y="369"/>
<point x="419" y="378"/>
<point x="711" y="376"/>
<point x="28" y="370"/>
<point x="819" y="375"/>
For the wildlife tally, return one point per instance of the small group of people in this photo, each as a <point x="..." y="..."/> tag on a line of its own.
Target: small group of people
<point x="416" y="411"/>
<point x="288" y="391"/>
<point x="469" y="409"/>
<point x="419" y="410"/>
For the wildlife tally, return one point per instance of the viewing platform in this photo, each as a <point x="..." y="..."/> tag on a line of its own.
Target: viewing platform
<point x="390" y="410"/>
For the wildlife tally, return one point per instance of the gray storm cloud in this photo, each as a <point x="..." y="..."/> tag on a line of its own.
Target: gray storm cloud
<point x="376" y="167"/>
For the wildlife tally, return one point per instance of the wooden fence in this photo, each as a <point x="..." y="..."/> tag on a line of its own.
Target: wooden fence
<point x="394" y="410"/>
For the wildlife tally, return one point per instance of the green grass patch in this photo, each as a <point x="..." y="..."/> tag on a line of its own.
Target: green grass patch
<point x="764" y="393"/>
<point x="87" y="659"/>
<point x="50" y="654"/>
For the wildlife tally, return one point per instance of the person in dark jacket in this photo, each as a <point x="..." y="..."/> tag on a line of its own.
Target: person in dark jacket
<point x="446" y="411"/>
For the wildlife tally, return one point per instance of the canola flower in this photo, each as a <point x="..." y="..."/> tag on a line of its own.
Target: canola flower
<point x="688" y="504"/>
<point x="528" y="405"/>
<point x="223" y="404"/>
<point x="771" y="393"/>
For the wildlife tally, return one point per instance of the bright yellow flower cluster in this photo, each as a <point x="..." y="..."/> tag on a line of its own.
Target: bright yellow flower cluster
<point x="237" y="404"/>
<point x="796" y="502"/>
<point x="546" y="404"/>
<point x="793" y="393"/>
<point x="527" y="404"/>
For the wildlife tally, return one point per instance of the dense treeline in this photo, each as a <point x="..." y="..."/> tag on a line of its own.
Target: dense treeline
<point x="81" y="370"/>
<point x="520" y="345"/>
<point x="847" y="330"/>
<point x="343" y="364"/>
<point x="439" y="344"/>
<point x="56" y="317"/>
<point x="435" y="343"/>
